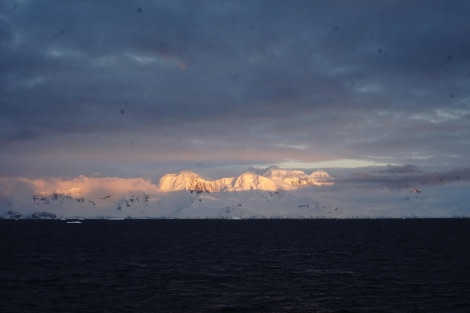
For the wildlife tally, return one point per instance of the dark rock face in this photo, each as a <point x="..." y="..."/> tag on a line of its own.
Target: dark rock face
<point x="133" y="199"/>
<point x="199" y="186"/>
<point x="55" y="197"/>
<point x="42" y="215"/>
<point x="14" y="215"/>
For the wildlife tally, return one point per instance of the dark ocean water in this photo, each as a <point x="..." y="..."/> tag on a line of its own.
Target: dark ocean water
<point x="413" y="265"/>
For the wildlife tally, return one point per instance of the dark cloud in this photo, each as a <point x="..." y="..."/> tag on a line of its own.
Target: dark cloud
<point x="405" y="177"/>
<point x="391" y="169"/>
<point x="380" y="81"/>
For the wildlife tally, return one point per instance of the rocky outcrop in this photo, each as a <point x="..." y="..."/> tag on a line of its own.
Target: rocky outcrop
<point x="56" y="197"/>
<point x="132" y="200"/>
<point x="14" y="215"/>
<point x="43" y="215"/>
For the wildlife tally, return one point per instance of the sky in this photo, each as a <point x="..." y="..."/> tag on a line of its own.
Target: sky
<point x="143" y="88"/>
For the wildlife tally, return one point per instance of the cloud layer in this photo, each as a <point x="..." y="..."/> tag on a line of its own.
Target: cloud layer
<point x="117" y="87"/>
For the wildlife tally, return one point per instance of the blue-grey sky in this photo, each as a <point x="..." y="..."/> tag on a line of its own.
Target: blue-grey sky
<point x="141" y="88"/>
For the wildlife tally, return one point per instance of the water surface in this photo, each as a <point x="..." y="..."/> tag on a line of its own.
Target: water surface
<point x="413" y="265"/>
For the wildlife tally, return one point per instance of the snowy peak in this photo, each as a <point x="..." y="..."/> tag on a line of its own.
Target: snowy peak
<point x="286" y="178"/>
<point x="271" y="179"/>
<point x="188" y="180"/>
<point x="321" y="178"/>
<point x="291" y="179"/>
<point x="252" y="181"/>
<point x="184" y="180"/>
<point x="280" y="172"/>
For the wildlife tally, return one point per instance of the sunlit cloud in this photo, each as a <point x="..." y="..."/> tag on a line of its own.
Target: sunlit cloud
<point x="82" y="185"/>
<point x="341" y="163"/>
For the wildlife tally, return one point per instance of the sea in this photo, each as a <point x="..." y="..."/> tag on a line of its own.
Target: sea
<point x="285" y="265"/>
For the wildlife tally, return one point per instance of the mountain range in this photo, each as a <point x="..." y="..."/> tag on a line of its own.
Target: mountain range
<point x="272" y="179"/>
<point x="272" y="192"/>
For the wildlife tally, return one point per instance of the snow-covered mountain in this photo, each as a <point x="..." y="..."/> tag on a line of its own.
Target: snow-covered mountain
<point x="272" y="179"/>
<point x="272" y="192"/>
<point x="257" y="193"/>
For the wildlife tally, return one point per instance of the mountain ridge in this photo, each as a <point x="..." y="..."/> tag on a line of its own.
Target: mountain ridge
<point x="271" y="179"/>
<point x="271" y="192"/>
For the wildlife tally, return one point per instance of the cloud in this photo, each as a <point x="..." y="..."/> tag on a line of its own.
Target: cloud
<point x="384" y="82"/>
<point x="83" y="185"/>
<point x="391" y="169"/>
<point x="404" y="177"/>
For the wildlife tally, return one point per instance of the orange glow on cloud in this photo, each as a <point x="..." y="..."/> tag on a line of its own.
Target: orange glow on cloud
<point x="80" y="185"/>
